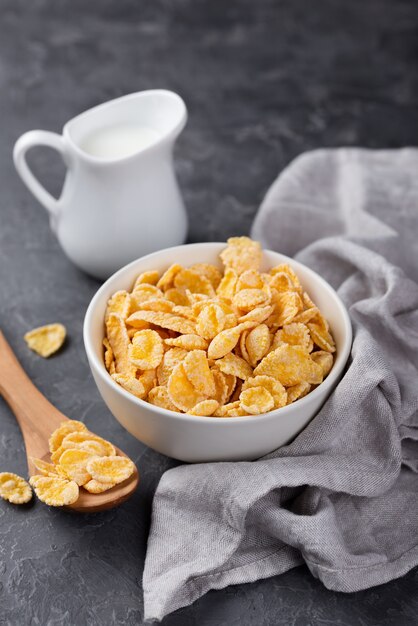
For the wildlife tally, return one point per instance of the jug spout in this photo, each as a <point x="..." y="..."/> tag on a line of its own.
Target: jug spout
<point x="127" y="126"/>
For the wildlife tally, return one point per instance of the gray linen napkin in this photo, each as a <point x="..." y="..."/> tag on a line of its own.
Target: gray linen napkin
<point x="343" y="497"/>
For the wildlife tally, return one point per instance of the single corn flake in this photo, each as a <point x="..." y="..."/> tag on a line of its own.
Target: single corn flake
<point x="165" y="320"/>
<point x="273" y="386"/>
<point x="131" y="384"/>
<point x="234" y="365"/>
<point x="256" y="400"/>
<point x="89" y="442"/>
<point x="74" y="461"/>
<point x="258" y="343"/>
<point x="286" y="269"/>
<point x="148" y="278"/>
<point x="251" y="279"/>
<point x="294" y="334"/>
<point x="295" y="392"/>
<point x="241" y="254"/>
<point x="120" y="303"/>
<point x="243" y="346"/>
<point x="190" y="280"/>
<point x="46" y="469"/>
<point x="119" y="342"/>
<point x="257" y="315"/>
<point x="321" y="336"/>
<point x="144" y="293"/>
<point x="282" y="282"/>
<point x="146" y="350"/>
<point x="181" y="391"/>
<point x="56" y="455"/>
<point x="210" y="321"/>
<point x="108" y="356"/>
<point x="94" y="448"/>
<point x="197" y="370"/>
<point x="167" y="279"/>
<point x="177" y="297"/>
<point x="55" y="491"/>
<point x="306" y="316"/>
<point x="94" y="486"/>
<point x="159" y="397"/>
<point x="227" y="287"/>
<point x="184" y="311"/>
<point x="188" y="342"/>
<point x="324" y="359"/>
<point x="211" y="272"/>
<point x="206" y="408"/>
<point x="287" y="306"/>
<point x="110" y="469"/>
<point x="157" y="304"/>
<point x="46" y="340"/>
<point x="248" y="299"/>
<point x="223" y="343"/>
<point x="227" y="340"/>
<point x="307" y="301"/>
<point x="65" y="428"/>
<point x="14" y="488"/>
<point x="290" y="365"/>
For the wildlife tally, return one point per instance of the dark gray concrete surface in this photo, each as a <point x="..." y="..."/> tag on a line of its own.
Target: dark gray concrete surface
<point x="264" y="81"/>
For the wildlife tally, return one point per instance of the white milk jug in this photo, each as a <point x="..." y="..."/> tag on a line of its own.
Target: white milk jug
<point x="120" y="198"/>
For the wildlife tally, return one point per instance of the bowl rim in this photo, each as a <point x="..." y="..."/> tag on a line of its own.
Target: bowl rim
<point x="324" y="388"/>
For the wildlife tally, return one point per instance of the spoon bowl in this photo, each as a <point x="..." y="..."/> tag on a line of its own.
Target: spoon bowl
<point x="96" y="502"/>
<point x="37" y="419"/>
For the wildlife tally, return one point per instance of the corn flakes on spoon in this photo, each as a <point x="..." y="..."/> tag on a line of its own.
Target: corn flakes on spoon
<point x="37" y="418"/>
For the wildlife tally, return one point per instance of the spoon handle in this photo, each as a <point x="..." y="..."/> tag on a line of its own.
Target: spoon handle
<point x="36" y="416"/>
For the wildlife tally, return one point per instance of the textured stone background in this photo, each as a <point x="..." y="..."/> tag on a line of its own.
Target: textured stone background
<point x="264" y="80"/>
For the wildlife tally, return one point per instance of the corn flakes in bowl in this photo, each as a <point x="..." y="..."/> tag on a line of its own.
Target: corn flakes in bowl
<point x="214" y="351"/>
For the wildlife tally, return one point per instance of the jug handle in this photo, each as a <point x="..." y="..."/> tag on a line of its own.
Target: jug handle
<point x="23" y="144"/>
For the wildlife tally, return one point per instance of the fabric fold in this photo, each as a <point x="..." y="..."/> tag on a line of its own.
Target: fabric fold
<point x="343" y="496"/>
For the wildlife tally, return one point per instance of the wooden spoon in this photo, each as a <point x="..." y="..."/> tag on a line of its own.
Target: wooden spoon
<point x="37" y="419"/>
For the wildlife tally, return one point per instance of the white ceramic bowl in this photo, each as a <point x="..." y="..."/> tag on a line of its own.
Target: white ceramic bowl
<point x="200" y="439"/>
